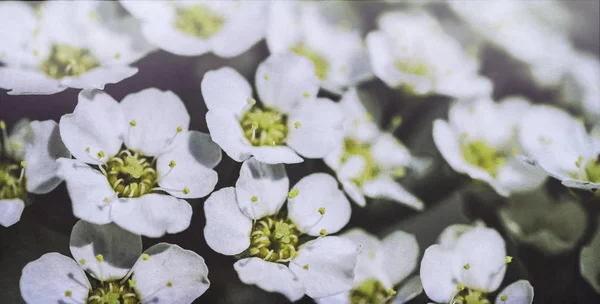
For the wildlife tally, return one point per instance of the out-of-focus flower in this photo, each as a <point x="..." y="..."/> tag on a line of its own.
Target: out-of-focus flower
<point x="119" y="271"/>
<point x="480" y="140"/>
<point x="411" y="51"/>
<point x="369" y="160"/>
<point x="467" y="264"/>
<point x="27" y="165"/>
<point x="247" y="221"/>
<point x="579" y="87"/>
<point x="63" y="44"/>
<point x="336" y="50"/>
<point x="289" y="119"/>
<point x="589" y="265"/>
<point x="192" y="28"/>
<point x="128" y="154"/>
<point x="560" y="145"/>
<point x="380" y="268"/>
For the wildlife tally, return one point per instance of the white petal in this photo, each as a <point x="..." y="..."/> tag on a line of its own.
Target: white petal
<point x="88" y="188"/>
<point x="10" y="211"/>
<point x="149" y="10"/>
<point x="49" y="279"/>
<point x="119" y="249"/>
<point x="389" y="152"/>
<point x="158" y="116"/>
<point x="152" y="215"/>
<point x="387" y="188"/>
<point x="382" y="58"/>
<point x="517" y="177"/>
<point x="226" y="131"/>
<point x="227" y="229"/>
<point x="410" y="289"/>
<point x="319" y="130"/>
<point x="436" y="274"/>
<point x="519" y="292"/>
<point x="226" y="88"/>
<point x="99" y="77"/>
<point x="272" y="277"/>
<point x="243" y="29"/>
<point x="451" y="234"/>
<point x="316" y="191"/>
<point x="19" y="137"/>
<point x="14" y="37"/>
<point x="283" y="80"/>
<point x="195" y="155"/>
<point x="172" y="40"/>
<point x="268" y="184"/>
<point x="26" y="82"/>
<point x="170" y="274"/>
<point x="371" y="257"/>
<point x="331" y="261"/>
<point x="276" y="155"/>
<point x="354" y="192"/>
<point x="282" y="31"/>
<point x="484" y="250"/>
<point x="41" y="157"/>
<point x="95" y="125"/>
<point x="401" y="252"/>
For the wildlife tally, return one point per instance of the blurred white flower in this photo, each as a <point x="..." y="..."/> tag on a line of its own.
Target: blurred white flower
<point x="380" y="268"/>
<point x="246" y="221"/>
<point x="192" y="28"/>
<point x="63" y="44"/>
<point x="119" y="272"/>
<point x="336" y="50"/>
<point x="480" y="139"/>
<point x="27" y="164"/>
<point x="411" y="51"/>
<point x="589" y="264"/>
<point x="127" y="152"/>
<point x="289" y="119"/>
<point x="469" y="263"/>
<point x="368" y="161"/>
<point x="579" y="87"/>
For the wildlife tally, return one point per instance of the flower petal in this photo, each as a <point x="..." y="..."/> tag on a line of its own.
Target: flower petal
<point x="436" y="274"/>
<point x="119" y="250"/>
<point x="14" y="37"/>
<point x="519" y="292"/>
<point x="53" y="278"/>
<point x="371" y="257"/>
<point x="227" y="229"/>
<point x="226" y="88"/>
<point x="319" y="204"/>
<point x="451" y="234"/>
<point x="410" y="289"/>
<point x="282" y="30"/>
<point x="149" y="10"/>
<point x="389" y="152"/>
<point x="99" y="77"/>
<point x="10" y="211"/>
<point x="243" y="29"/>
<point x="172" y="40"/>
<point x="331" y="261"/>
<point x="27" y="82"/>
<point x="517" y="177"/>
<point x="19" y="137"/>
<point x="226" y="131"/>
<point x="386" y="188"/>
<point x="152" y="215"/>
<point x="401" y="252"/>
<point x="276" y="155"/>
<point x="272" y="277"/>
<point x="382" y="58"/>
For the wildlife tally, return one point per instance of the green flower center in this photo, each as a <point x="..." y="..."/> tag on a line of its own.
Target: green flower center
<point x="371" y="292"/>
<point x="274" y="240"/>
<point x="131" y="174"/>
<point x="199" y="21"/>
<point x="113" y="293"/>
<point x="68" y="61"/>
<point x="321" y="65"/>
<point x="264" y="127"/>
<point x="418" y="68"/>
<point x="12" y="180"/>
<point x="354" y="148"/>
<point x="592" y="169"/>
<point x="468" y="296"/>
<point x="484" y="156"/>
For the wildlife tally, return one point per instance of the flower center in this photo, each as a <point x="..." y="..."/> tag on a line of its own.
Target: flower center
<point x="354" y="148"/>
<point x="199" y="21"/>
<point x="113" y="293"/>
<point x="66" y="61"/>
<point x="321" y="65"/>
<point x="592" y="169"/>
<point x="264" y="127"/>
<point x="413" y="67"/>
<point x="484" y="156"/>
<point x="371" y="292"/>
<point x="274" y="240"/>
<point x="131" y="174"/>
<point x="12" y="180"/>
<point x="468" y="296"/>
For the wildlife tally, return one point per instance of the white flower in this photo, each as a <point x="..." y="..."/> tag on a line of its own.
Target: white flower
<point x="381" y="266"/>
<point x="468" y="263"/>
<point x="118" y="271"/>
<point x="288" y="119"/>
<point x="369" y="160"/>
<point x="60" y="45"/>
<point x="560" y="145"/>
<point x="129" y="154"/>
<point x="247" y="221"/>
<point x="27" y="165"/>
<point x="192" y="28"/>
<point x="338" y="52"/>
<point x="480" y="140"/>
<point x="411" y="51"/>
<point x="589" y="265"/>
<point x="579" y="87"/>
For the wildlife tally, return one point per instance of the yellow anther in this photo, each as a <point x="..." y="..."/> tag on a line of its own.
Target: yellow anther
<point x="508" y="259"/>
<point x="305" y="267"/>
<point x="99" y="258"/>
<point x="579" y="161"/>
<point x="87" y="149"/>
<point x="369" y="117"/>
<point x="251" y="101"/>
<point x="82" y="261"/>
<point x="23" y="164"/>
<point x="169" y="284"/>
<point x="133" y="123"/>
<point x="100" y="154"/>
<point x="145" y="256"/>
<point x="68" y="293"/>
<point x="297" y="125"/>
<point x="396" y="120"/>
<point x="179" y="129"/>
<point x="254" y="199"/>
<point x="322" y="210"/>
<point x="372" y="255"/>
<point x="3" y="54"/>
<point x="467" y="266"/>
<point x="117" y="55"/>
<point x="503" y="298"/>
<point x="266" y="77"/>
<point x="35" y="52"/>
<point x="293" y="193"/>
<point x="186" y="191"/>
<point x="391" y="292"/>
<point x="460" y="287"/>
<point x="2" y="125"/>
<point x="323" y="232"/>
<point x="172" y="164"/>
<point x="306" y="95"/>
<point x="106" y="200"/>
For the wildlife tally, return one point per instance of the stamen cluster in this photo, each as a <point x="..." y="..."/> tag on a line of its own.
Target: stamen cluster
<point x="274" y="240"/>
<point x="131" y="174"/>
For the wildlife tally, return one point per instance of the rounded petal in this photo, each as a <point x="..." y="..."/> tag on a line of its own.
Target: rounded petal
<point x="53" y="278"/>
<point x="401" y="252"/>
<point x="149" y="10"/>
<point x="26" y="82"/>
<point x="170" y="274"/>
<point x="389" y="152"/>
<point x="227" y="229"/>
<point x="99" y="77"/>
<point x="410" y="289"/>
<point x="243" y="29"/>
<point x="282" y="31"/>
<point x="13" y="37"/>
<point x="88" y="189"/>
<point x="225" y="88"/>
<point x="195" y="155"/>
<point x="319" y="204"/>
<point x="152" y="215"/>
<point x="451" y="234"/>
<point x="354" y="192"/>
<point x="172" y="40"/>
<point x="272" y="277"/>
<point x="226" y="131"/>
<point x="386" y="188"/>
<point x="261" y="188"/>
<point x="119" y="250"/>
<point x="371" y="257"/>
<point x="315" y="128"/>
<point x="382" y="59"/>
<point x="41" y="157"/>
<point x="519" y="292"/>
<point x="517" y="177"/>
<point x="19" y="137"/>
<point x="95" y="125"/>
<point x="284" y="80"/>
<point x="276" y="155"/>
<point x="10" y="211"/>
<point x="436" y="274"/>
<point x="331" y="261"/>
<point x="160" y="117"/>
